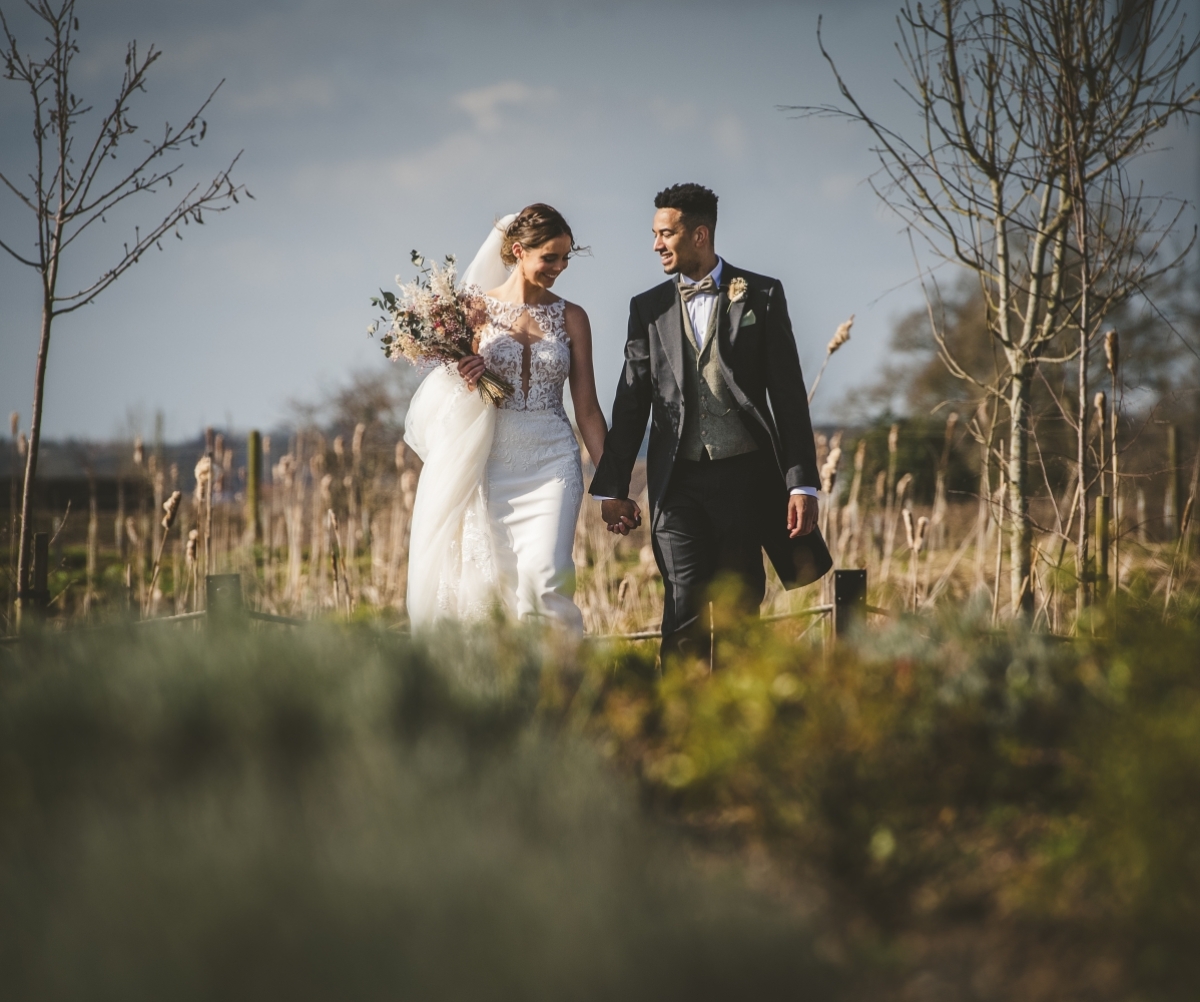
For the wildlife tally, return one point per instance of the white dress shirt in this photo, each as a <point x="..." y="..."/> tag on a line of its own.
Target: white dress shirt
<point x="700" y="308"/>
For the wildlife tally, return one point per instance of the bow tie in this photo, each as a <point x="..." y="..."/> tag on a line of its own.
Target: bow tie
<point x="705" y="287"/>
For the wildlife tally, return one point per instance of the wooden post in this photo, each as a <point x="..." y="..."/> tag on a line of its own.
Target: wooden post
<point x="31" y="606"/>
<point x="1174" y="492"/>
<point x="1102" y="544"/>
<point x="223" y="593"/>
<point x="849" y="602"/>
<point x="253" y="486"/>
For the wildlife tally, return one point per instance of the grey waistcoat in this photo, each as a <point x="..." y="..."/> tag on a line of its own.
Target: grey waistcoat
<point x="711" y="417"/>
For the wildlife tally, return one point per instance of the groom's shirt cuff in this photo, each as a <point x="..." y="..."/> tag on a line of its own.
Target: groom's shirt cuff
<point x="602" y="497"/>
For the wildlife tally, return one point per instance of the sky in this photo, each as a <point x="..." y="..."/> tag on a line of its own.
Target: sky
<point x="371" y="128"/>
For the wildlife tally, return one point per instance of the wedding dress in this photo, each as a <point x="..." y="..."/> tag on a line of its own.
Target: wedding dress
<point x="501" y="487"/>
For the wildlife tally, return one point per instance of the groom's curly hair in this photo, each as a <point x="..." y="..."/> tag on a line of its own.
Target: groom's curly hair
<point x="535" y="225"/>
<point x="697" y="204"/>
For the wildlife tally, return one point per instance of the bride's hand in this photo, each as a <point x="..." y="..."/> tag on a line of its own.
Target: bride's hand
<point x="471" y="367"/>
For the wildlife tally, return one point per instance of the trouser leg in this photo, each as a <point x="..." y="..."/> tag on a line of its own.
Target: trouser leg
<point x="733" y="501"/>
<point x="708" y="526"/>
<point x="685" y="549"/>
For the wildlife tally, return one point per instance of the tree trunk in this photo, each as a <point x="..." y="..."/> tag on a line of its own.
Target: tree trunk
<point x="31" y="458"/>
<point x="1020" y="535"/>
<point x="1081" y="460"/>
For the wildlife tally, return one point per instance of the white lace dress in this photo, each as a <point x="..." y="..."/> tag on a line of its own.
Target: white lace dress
<point x="500" y="491"/>
<point x="533" y="484"/>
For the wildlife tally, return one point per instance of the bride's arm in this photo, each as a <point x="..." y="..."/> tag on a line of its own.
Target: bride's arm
<point x="588" y="415"/>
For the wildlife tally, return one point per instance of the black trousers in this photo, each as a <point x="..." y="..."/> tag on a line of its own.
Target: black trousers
<point x="710" y="524"/>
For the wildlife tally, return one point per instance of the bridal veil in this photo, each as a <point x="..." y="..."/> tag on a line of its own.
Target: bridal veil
<point x="451" y="564"/>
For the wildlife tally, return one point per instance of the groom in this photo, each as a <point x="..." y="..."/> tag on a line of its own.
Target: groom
<point x="732" y="466"/>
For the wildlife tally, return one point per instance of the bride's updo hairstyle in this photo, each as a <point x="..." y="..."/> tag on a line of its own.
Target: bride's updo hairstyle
<point x="535" y="225"/>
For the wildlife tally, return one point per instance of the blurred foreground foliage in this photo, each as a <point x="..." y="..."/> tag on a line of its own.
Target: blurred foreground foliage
<point x="342" y="815"/>
<point x="347" y="813"/>
<point x="940" y="776"/>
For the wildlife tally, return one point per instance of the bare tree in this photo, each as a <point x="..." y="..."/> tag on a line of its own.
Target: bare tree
<point x="1030" y="114"/>
<point x="72" y="186"/>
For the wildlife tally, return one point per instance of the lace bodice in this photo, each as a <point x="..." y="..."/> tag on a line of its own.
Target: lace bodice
<point x="549" y="356"/>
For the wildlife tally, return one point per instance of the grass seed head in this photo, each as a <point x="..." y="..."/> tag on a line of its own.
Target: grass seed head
<point x="139" y="453"/>
<point x="171" y="507"/>
<point x="840" y="336"/>
<point x="203" y="477"/>
<point x="893" y="438"/>
<point x="14" y="423"/>
<point x="922" y="532"/>
<point x="1112" y="351"/>
<point x="830" y="469"/>
<point x="22" y="445"/>
<point x="908" y="528"/>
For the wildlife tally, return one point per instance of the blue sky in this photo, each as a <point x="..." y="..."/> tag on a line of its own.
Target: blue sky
<point x="372" y="128"/>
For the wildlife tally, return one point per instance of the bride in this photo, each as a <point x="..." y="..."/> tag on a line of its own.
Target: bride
<point x="500" y="491"/>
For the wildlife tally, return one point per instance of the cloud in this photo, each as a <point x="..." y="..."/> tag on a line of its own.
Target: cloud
<point x="446" y="159"/>
<point x="302" y="94"/>
<point x="729" y="135"/>
<point x="837" y="187"/>
<point x="673" y="114"/>
<point x="485" y="104"/>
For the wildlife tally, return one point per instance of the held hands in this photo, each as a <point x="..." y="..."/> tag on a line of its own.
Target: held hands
<point x="802" y="515"/>
<point x="621" y="515"/>
<point x="471" y="367"/>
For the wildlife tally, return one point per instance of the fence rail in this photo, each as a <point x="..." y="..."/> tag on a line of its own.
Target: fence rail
<point x="225" y="604"/>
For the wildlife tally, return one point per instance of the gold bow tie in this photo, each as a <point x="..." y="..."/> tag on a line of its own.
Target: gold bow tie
<point x="705" y="287"/>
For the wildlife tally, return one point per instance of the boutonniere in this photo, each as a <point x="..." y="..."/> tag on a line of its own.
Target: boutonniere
<point x="737" y="290"/>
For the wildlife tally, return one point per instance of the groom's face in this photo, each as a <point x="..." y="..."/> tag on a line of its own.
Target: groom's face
<point x="679" y="247"/>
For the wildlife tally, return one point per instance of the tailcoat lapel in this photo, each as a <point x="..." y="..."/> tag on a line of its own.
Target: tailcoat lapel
<point x="731" y="313"/>
<point x="669" y="324"/>
<point x="728" y="325"/>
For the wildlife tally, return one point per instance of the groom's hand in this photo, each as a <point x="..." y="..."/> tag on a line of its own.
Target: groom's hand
<point x="802" y="515"/>
<point x="621" y="515"/>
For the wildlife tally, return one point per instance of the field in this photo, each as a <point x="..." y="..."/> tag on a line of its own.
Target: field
<point x="951" y="805"/>
<point x="328" y="534"/>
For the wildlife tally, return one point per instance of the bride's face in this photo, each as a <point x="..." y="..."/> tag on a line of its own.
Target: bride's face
<point x="542" y="265"/>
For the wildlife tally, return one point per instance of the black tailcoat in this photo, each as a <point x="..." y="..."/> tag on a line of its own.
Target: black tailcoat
<point x="758" y="359"/>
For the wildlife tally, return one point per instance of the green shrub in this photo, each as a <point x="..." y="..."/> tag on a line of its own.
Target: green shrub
<point x="938" y="772"/>
<point x="341" y="815"/>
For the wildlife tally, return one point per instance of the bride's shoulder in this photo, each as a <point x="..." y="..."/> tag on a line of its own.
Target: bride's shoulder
<point x="575" y="318"/>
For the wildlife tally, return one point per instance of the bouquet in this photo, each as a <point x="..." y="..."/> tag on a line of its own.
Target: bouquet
<point x="435" y="320"/>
